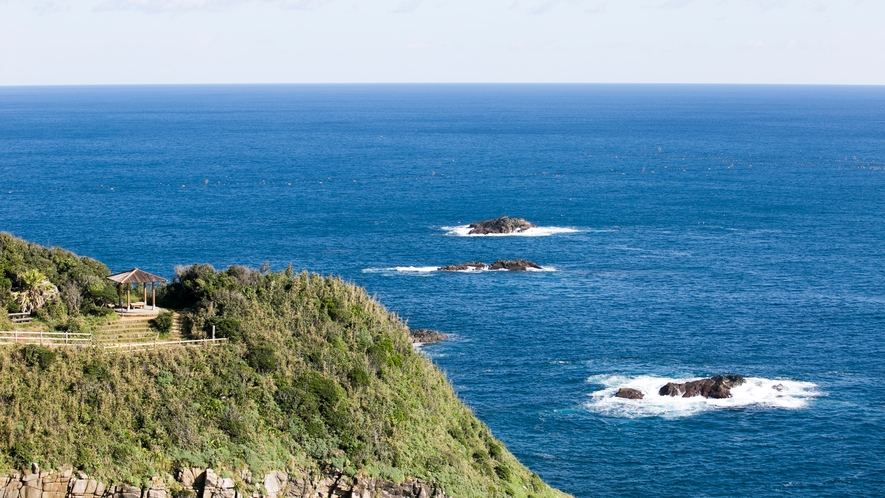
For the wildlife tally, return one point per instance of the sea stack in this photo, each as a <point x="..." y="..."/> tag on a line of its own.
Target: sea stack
<point x="501" y="264"/>
<point x="502" y="225"/>
<point x="718" y="387"/>
<point x="514" y="265"/>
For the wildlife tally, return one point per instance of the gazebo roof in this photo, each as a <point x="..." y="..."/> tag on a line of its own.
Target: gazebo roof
<point x="134" y="276"/>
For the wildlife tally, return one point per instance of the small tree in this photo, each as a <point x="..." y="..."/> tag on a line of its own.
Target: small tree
<point x="71" y="295"/>
<point x="38" y="290"/>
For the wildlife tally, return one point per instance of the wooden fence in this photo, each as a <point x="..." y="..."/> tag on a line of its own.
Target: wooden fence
<point x="142" y="346"/>
<point x="45" y="338"/>
<point x="79" y="339"/>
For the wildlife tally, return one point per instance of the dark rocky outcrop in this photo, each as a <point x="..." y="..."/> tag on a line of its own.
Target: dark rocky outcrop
<point x="425" y="336"/>
<point x="504" y="224"/>
<point x="715" y="387"/>
<point x="474" y="265"/>
<point x="513" y="265"/>
<point x="629" y="393"/>
<point x="501" y="264"/>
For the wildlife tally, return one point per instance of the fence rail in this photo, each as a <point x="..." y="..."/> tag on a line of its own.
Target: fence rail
<point x="49" y="338"/>
<point x="80" y="339"/>
<point x="140" y="346"/>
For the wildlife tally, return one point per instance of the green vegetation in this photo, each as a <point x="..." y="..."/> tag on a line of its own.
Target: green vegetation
<point x="316" y="374"/>
<point x="163" y="323"/>
<point x="62" y="290"/>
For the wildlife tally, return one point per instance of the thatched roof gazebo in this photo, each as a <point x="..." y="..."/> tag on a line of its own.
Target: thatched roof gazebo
<point x="136" y="276"/>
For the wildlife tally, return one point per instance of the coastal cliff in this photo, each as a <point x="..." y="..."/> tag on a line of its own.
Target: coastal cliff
<point x="315" y="377"/>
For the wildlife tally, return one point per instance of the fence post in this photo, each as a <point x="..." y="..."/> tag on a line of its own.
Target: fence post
<point x="213" y="332"/>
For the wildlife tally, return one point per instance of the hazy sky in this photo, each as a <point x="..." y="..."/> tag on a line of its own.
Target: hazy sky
<point x="307" y="41"/>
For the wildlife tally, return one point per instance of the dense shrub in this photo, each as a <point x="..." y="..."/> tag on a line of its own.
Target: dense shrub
<point x="163" y="322"/>
<point x="262" y="358"/>
<point x="38" y="356"/>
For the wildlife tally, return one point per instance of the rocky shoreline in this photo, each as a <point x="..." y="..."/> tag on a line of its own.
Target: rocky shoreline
<point x="205" y="483"/>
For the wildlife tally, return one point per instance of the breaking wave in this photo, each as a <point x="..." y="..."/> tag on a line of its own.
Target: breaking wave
<point x="756" y="392"/>
<point x="432" y="269"/>
<point x="462" y="231"/>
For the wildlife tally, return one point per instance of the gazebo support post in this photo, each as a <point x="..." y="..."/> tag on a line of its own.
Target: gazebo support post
<point x="135" y="277"/>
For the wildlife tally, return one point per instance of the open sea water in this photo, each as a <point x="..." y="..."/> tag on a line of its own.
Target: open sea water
<point x="686" y="231"/>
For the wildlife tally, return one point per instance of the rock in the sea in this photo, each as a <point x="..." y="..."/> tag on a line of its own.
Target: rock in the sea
<point x="513" y="265"/>
<point x="629" y="393"/>
<point x="504" y="224"/>
<point x="715" y="387"/>
<point x="501" y="264"/>
<point x="425" y="336"/>
<point x="474" y="265"/>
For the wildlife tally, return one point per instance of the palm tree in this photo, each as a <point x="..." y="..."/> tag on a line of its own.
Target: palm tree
<point x="38" y="290"/>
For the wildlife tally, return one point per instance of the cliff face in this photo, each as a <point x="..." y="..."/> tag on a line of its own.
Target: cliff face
<point x="315" y="375"/>
<point x="199" y="483"/>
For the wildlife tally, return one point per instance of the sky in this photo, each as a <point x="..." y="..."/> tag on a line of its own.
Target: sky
<point x="73" y="42"/>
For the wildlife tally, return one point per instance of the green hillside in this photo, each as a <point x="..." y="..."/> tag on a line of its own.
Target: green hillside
<point x="315" y="375"/>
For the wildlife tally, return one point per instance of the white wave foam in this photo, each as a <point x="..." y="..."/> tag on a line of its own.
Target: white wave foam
<point x="429" y="269"/>
<point x="415" y="269"/>
<point x="755" y="392"/>
<point x="463" y="231"/>
<point x="541" y="269"/>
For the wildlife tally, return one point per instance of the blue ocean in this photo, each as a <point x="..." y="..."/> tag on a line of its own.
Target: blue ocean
<point x="684" y="231"/>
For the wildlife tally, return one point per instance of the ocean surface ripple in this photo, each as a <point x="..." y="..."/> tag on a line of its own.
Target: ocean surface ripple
<point x="702" y="230"/>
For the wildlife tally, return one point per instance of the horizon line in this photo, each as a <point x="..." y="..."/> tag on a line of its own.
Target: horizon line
<point x="441" y="83"/>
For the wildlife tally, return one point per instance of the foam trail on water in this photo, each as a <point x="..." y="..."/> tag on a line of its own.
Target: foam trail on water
<point x="414" y="270"/>
<point x="430" y="269"/>
<point x="756" y="392"/>
<point x="463" y="231"/>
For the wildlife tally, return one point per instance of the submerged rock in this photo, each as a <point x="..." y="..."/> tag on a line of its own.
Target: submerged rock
<point x="504" y="224"/>
<point x="715" y="387"/>
<point x="513" y="265"/>
<point x="425" y="336"/>
<point x="629" y="393"/>
<point x="474" y="265"/>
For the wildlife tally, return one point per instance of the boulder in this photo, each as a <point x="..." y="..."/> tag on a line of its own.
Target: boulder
<point x="629" y="393"/>
<point x="475" y="265"/>
<point x="718" y="387"/>
<point x="513" y="265"/>
<point x="504" y="224"/>
<point x="425" y="336"/>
